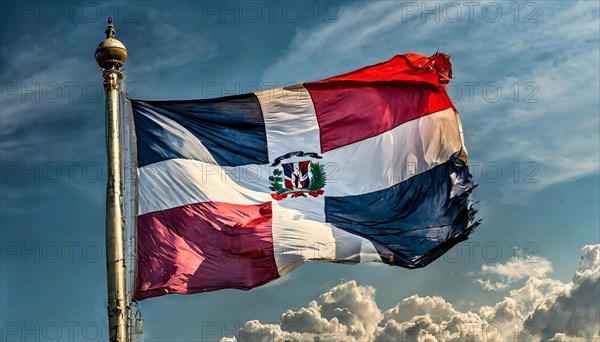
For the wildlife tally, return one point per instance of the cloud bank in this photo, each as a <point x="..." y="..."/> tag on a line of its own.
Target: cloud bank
<point x="543" y="309"/>
<point x="514" y="270"/>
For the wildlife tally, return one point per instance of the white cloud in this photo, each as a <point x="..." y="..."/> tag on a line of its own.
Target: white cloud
<point x="333" y="44"/>
<point x="543" y="309"/>
<point x="520" y="303"/>
<point x="576" y="311"/>
<point x="565" y="338"/>
<point x="515" y="269"/>
<point x="430" y="319"/>
<point x="347" y="312"/>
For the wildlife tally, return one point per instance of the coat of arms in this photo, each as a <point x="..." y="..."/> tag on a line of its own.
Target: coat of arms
<point x="297" y="178"/>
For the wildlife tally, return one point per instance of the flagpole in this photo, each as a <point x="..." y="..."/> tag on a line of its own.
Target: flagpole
<point x="110" y="55"/>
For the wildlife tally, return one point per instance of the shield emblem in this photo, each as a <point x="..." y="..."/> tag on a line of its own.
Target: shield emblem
<point x="297" y="178"/>
<point x="295" y="175"/>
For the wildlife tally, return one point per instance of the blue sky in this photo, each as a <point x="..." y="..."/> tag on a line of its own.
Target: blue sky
<point x="527" y="79"/>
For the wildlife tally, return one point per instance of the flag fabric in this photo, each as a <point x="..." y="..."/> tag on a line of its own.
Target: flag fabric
<point x="234" y="192"/>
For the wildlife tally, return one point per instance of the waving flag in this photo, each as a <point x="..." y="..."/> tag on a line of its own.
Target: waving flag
<point x="237" y="191"/>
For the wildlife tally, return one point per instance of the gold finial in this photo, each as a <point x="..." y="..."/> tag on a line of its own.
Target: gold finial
<point x="111" y="53"/>
<point x="110" y="29"/>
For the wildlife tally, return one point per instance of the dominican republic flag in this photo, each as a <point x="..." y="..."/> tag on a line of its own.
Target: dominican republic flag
<point x="234" y="192"/>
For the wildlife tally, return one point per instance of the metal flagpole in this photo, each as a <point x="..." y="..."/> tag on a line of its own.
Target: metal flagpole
<point x="110" y="55"/>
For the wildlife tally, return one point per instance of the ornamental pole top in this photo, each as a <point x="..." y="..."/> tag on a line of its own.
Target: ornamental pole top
<point x="111" y="53"/>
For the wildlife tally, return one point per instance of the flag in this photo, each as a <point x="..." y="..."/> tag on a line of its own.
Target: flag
<point x="234" y="192"/>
